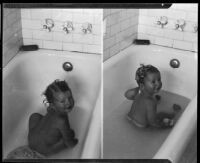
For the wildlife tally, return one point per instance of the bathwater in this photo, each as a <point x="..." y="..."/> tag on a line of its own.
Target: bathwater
<point x="123" y="140"/>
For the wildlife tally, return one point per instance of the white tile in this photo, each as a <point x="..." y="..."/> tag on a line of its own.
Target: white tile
<point x="176" y="14"/>
<point x="195" y="47"/>
<point x="38" y="42"/>
<point x="106" y="54"/>
<point x="142" y="28"/>
<point x="27" y="41"/>
<point x="124" y="44"/>
<point x="67" y="37"/>
<point x="27" y="33"/>
<point x="7" y="33"/>
<point x="156" y="12"/>
<point x="11" y="17"/>
<point x="114" y="49"/>
<point x="188" y="36"/>
<point x="155" y="31"/>
<point x="93" y="11"/>
<point x="109" y="42"/>
<point x="132" y="12"/>
<point x="52" y="45"/>
<point x="64" y="16"/>
<point x="163" y="41"/>
<point x="83" y="38"/>
<point x="25" y="14"/>
<point x="58" y="27"/>
<point x="114" y="10"/>
<point x="58" y="36"/>
<point x="123" y="15"/>
<point x="143" y="12"/>
<point x="97" y="40"/>
<point x="98" y="18"/>
<point x="106" y="12"/>
<point x="173" y="34"/>
<point x="92" y="49"/>
<point x="114" y="29"/>
<point x="82" y="18"/>
<point x="96" y="29"/>
<point x="114" y="18"/>
<point x="182" y="45"/>
<point x="41" y="13"/>
<point x="73" y="47"/>
<point x="44" y="35"/>
<point x="192" y="17"/>
<point x="26" y="23"/>
<point x="124" y="24"/>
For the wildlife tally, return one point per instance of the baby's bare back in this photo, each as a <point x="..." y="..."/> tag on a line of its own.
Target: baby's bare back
<point x="48" y="132"/>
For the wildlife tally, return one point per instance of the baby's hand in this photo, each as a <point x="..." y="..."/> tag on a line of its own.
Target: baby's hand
<point x="168" y="122"/>
<point x="176" y="107"/>
<point x="158" y="97"/>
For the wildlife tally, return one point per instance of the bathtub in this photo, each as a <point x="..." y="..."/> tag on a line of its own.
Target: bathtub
<point x="119" y="76"/>
<point x="24" y="80"/>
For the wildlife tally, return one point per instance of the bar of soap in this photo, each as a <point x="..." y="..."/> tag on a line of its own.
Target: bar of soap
<point x="141" y="42"/>
<point x="28" y="47"/>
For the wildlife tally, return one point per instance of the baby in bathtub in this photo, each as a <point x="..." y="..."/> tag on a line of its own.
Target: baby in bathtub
<point x="50" y="133"/>
<point x="143" y="112"/>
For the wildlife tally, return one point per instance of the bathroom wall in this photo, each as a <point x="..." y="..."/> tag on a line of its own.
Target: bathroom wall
<point x="120" y="29"/>
<point x="12" y="35"/>
<point x="168" y="36"/>
<point x="76" y="40"/>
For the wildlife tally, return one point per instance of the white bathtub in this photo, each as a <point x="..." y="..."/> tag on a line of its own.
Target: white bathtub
<point x="119" y="76"/>
<point x="27" y="76"/>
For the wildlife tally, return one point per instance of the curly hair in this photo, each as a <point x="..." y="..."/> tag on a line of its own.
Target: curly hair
<point x="142" y="72"/>
<point x="56" y="86"/>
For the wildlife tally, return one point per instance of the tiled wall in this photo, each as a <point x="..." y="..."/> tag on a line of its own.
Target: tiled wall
<point x="168" y="36"/>
<point x="120" y="29"/>
<point x="12" y="35"/>
<point x="76" y="40"/>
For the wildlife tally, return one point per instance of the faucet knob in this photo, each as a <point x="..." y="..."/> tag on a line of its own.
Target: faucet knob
<point x="195" y="27"/>
<point x="87" y="27"/>
<point x="180" y="24"/>
<point x="48" y="25"/>
<point x="163" y="20"/>
<point x="68" y="26"/>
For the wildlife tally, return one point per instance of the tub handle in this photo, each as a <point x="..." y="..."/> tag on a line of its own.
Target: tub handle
<point x="67" y="66"/>
<point x="174" y="63"/>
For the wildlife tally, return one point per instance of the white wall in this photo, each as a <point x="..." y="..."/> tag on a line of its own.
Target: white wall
<point x="12" y="35"/>
<point x="168" y="36"/>
<point x="33" y="32"/>
<point x="120" y="30"/>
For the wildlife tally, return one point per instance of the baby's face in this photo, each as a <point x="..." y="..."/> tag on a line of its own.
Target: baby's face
<point x="152" y="83"/>
<point x="63" y="101"/>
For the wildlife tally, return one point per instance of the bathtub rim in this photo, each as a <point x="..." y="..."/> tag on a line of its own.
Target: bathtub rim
<point x="125" y="52"/>
<point x="21" y="55"/>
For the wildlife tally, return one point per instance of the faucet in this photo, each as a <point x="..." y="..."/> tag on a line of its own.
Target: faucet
<point x="68" y="26"/>
<point x="87" y="28"/>
<point x="163" y="20"/>
<point x="49" y="24"/>
<point x="195" y="27"/>
<point x="180" y="24"/>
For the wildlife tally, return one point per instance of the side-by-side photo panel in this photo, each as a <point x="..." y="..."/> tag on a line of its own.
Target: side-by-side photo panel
<point x="51" y="83"/>
<point x="150" y="83"/>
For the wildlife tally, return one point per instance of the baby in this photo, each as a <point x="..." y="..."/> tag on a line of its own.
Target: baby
<point x="143" y="112"/>
<point x="51" y="133"/>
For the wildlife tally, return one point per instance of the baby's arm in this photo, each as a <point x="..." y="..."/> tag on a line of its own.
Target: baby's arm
<point x="151" y="113"/>
<point x="131" y="93"/>
<point x="68" y="135"/>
